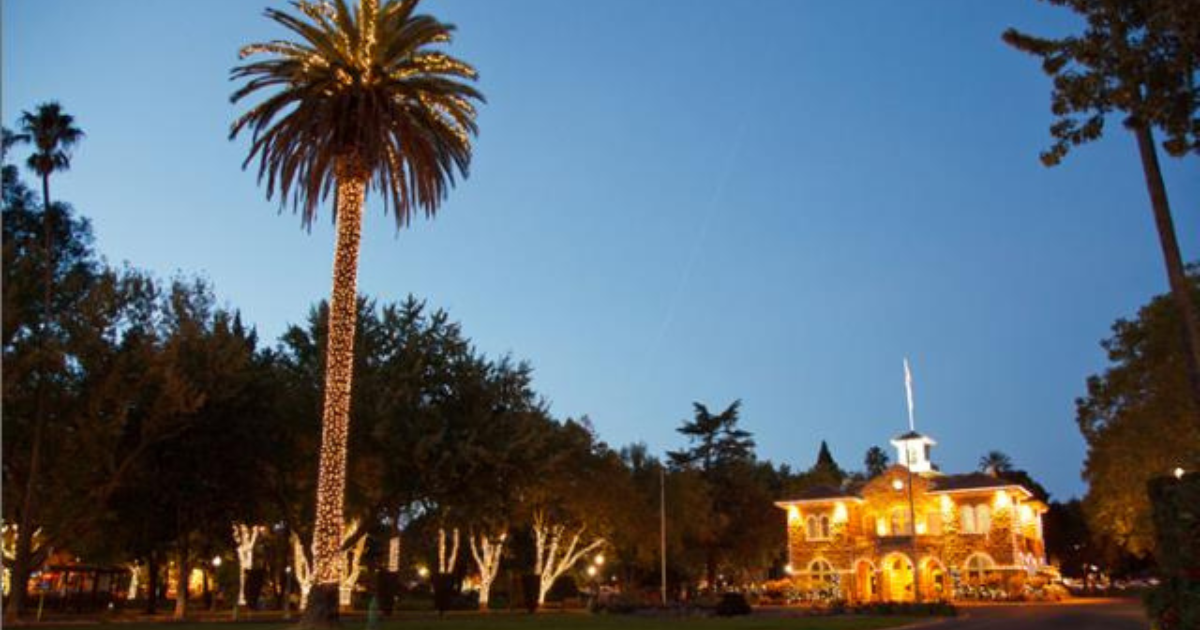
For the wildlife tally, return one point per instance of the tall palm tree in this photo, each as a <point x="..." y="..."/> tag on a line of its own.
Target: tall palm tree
<point x="53" y="134"/>
<point x="359" y="96"/>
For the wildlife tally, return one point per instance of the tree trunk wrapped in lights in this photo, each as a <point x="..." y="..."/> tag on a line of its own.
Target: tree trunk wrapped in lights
<point x="339" y="374"/>
<point x="134" y="571"/>
<point x="351" y="563"/>
<point x="487" y="553"/>
<point x="552" y="559"/>
<point x="244" y="536"/>
<point x="446" y="563"/>
<point x="302" y="569"/>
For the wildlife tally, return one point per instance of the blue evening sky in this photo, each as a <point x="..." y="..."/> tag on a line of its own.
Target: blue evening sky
<point x="674" y="201"/>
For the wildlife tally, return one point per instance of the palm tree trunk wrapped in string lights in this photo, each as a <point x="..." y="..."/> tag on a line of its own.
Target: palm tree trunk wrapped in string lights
<point x="362" y="99"/>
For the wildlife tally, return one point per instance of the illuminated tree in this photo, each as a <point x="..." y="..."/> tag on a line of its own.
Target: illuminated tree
<point x="558" y="549"/>
<point x="1140" y="58"/>
<point x="244" y="536"/>
<point x="361" y="97"/>
<point x="487" y="550"/>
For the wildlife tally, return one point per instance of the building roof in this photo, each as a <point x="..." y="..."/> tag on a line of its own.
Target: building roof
<point x="818" y="494"/>
<point x="971" y="481"/>
<point x="910" y="435"/>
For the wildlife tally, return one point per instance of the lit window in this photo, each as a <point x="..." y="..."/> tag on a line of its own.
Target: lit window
<point x="977" y="566"/>
<point x="983" y="519"/>
<point x="901" y="525"/>
<point x="933" y="523"/>
<point x="821" y="572"/>
<point x="824" y="527"/>
<point x="968" y="519"/>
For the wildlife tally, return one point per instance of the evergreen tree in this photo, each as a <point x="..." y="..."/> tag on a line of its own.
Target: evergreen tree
<point x="875" y="462"/>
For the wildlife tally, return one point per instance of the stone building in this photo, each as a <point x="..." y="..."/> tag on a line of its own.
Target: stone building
<point x="914" y="533"/>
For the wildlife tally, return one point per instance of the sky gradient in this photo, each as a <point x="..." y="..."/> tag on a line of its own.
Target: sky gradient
<point x="671" y="202"/>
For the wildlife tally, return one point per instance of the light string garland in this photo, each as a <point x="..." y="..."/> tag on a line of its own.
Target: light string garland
<point x="331" y="473"/>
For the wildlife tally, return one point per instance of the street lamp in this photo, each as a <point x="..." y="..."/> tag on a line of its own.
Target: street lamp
<point x="287" y="592"/>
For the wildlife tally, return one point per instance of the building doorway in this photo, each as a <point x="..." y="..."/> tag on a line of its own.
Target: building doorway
<point x="935" y="581"/>
<point x="897" y="578"/>
<point x="865" y="581"/>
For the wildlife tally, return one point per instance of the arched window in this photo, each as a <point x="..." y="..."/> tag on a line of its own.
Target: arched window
<point x="901" y="526"/>
<point x="983" y="519"/>
<point x="821" y="572"/>
<point x="977" y="566"/>
<point x="824" y="527"/>
<point x="968" y="519"/>
<point x="810" y="528"/>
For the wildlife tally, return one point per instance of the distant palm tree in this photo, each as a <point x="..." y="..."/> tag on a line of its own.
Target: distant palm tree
<point x="53" y="135"/>
<point x="362" y="96"/>
<point x="995" y="462"/>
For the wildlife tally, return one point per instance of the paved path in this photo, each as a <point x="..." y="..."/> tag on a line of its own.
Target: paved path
<point x="1073" y="615"/>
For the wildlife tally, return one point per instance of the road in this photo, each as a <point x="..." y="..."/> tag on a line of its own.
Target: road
<point x="1073" y="615"/>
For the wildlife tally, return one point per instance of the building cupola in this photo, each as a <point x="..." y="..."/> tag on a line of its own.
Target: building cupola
<point x="912" y="451"/>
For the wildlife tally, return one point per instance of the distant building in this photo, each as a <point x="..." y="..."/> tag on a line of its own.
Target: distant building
<point x="913" y="532"/>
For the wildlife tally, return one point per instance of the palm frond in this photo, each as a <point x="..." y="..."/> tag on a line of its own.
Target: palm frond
<point x="364" y="82"/>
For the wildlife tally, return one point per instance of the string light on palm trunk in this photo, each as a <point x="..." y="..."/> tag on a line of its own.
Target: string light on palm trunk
<point x="331" y="481"/>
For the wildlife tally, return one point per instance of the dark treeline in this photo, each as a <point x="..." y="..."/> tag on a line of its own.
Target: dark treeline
<point x="162" y="420"/>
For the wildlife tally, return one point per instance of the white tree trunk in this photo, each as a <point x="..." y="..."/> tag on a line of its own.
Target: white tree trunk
<point x="487" y="553"/>
<point x="134" y="572"/>
<point x="393" y="563"/>
<point x="446" y="565"/>
<point x="302" y="570"/>
<point x="244" y="536"/>
<point x="351" y="563"/>
<point x="549" y="563"/>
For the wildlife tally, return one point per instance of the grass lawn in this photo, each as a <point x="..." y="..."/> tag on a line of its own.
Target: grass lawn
<point x="567" y="621"/>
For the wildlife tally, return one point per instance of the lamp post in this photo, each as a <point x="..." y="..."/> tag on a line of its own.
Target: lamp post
<point x="287" y="592"/>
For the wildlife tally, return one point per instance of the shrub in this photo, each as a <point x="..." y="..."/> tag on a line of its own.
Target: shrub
<point x="443" y="591"/>
<point x="1174" y="604"/>
<point x="733" y="604"/>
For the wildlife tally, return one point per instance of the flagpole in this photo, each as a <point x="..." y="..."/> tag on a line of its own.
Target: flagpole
<point x="912" y="516"/>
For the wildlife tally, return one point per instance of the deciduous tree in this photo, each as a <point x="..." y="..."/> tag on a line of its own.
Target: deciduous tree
<point x="1138" y="423"/>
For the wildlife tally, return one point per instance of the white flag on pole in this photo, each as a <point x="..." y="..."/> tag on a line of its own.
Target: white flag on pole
<point x="909" y="390"/>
